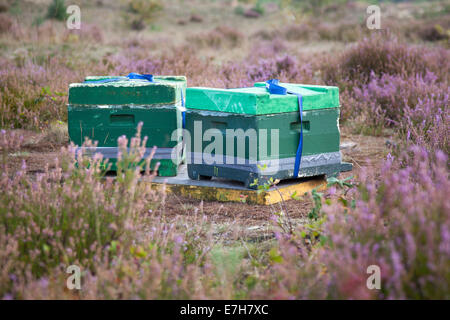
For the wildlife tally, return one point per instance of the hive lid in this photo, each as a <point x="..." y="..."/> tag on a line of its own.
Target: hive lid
<point x="256" y="100"/>
<point x="165" y="90"/>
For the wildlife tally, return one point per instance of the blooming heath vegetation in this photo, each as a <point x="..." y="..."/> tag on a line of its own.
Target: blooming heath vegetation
<point x="58" y="208"/>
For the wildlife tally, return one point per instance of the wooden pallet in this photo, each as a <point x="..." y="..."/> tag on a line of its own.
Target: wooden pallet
<point x="232" y="191"/>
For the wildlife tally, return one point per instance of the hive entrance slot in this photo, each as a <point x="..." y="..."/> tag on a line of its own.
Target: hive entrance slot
<point x="122" y="119"/>
<point x="295" y="126"/>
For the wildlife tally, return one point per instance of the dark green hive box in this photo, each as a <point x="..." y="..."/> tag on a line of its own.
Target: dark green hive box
<point x="254" y="108"/>
<point x="105" y="111"/>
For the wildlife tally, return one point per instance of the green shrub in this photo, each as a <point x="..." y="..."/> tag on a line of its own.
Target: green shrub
<point x="258" y="7"/>
<point x="147" y="10"/>
<point x="239" y="10"/>
<point x="57" y="10"/>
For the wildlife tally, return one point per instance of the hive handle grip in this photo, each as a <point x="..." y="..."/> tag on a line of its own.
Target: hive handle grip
<point x="295" y="126"/>
<point x="122" y="119"/>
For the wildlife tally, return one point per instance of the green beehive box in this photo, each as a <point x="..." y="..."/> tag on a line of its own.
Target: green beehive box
<point x="233" y="136"/>
<point x="105" y="111"/>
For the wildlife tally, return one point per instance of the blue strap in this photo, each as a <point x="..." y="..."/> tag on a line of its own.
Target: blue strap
<point x="183" y="113"/>
<point x="274" y="88"/>
<point x="148" y="77"/>
<point x="183" y="117"/>
<point x="131" y="76"/>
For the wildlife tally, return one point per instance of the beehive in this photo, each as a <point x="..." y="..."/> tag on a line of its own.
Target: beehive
<point x="226" y="110"/>
<point x="105" y="111"/>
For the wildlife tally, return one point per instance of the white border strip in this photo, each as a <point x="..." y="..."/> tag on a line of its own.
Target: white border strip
<point x="112" y="152"/>
<point x="273" y="165"/>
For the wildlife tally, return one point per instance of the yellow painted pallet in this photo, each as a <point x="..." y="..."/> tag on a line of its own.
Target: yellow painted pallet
<point x="230" y="191"/>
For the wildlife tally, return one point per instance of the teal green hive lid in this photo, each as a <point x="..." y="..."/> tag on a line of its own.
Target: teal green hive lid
<point x="164" y="90"/>
<point x="256" y="100"/>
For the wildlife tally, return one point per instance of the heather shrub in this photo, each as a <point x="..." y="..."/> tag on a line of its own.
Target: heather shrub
<point x="219" y="37"/>
<point x="392" y="93"/>
<point x="232" y="75"/>
<point x="266" y="49"/>
<point x="264" y="35"/>
<point x="137" y="25"/>
<point x="87" y="32"/>
<point x="181" y="60"/>
<point x="388" y="84"/>
<point x="196" y="18"/>
<point x="115" y="230"/>
<point x="6" y="23"/>
<point x="400" y="223"/>
<point x="25" y="100"/>
<point x="346" y="32"/>
<point x="416" y="106"/>
<point x="10" y="142"/>
<point x="348" y="103"/>
<point x="252" y="13"/>
<point x="270" y="68"/>
<point x="433" y="29"/>
<point x="33" y="89"/>
<point x="301" y="31"/>
<point x="70" y="214"/>
<point x="427" y="124"/>
<point x="378" y="55"/>
<point x="129" y="61"/>
<point x="433" y="33"/>
<point x="165" y="261"/>
<point x="281" y="67"/>
<point x="316" y="30"/>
